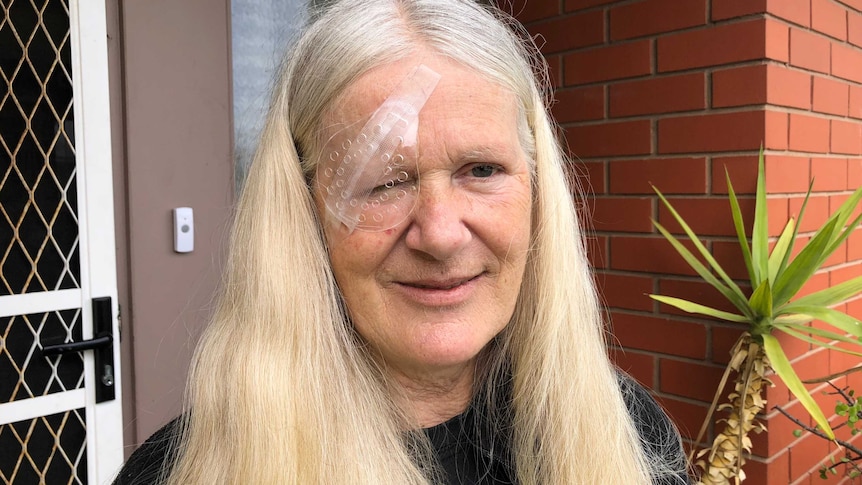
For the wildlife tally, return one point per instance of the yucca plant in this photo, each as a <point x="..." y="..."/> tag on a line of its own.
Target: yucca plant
<point x="775" y="278"/>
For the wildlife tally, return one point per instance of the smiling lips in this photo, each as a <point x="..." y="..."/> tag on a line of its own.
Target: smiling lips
<point x="444" y="292"/>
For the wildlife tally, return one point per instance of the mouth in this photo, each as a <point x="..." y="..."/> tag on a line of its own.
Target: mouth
<point x="443" y="284"/>
<point x="439" y="293"/>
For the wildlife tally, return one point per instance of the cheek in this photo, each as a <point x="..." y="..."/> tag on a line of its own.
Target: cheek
<point x="356" y="260"/>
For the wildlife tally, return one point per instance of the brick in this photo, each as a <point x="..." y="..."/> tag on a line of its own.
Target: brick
<point x="528" y="11"/>
<point x="686" y="379"/>
<point x="645" y="332"/>
<point x="779" y="435"/>
<point x="785" y="87"/>
<point x="639" y="365"/>
<point x="813" y="365"/>
<point x="844" y="273"/>
<point x="711" y="132"/>
<point x="626" y="291"/>
<point x="619" y="138"/>
<point x="555" y="70"/>
<point x="590" y="176"/>
<point x="855" y="4"/>
<point x="792" y="346"/>
<point x="854" y="245"/>
<point x="829" y="174"/>
<point x="647" y="254"/>
<point x="692" y="290"/>
<point x="739" y="86"/>
<point x="816" y="212"/>
<point x="846" y="137"/>
<point x="658" y="95"/>
<point x="809" y="133"/>
<point x="622" y="214"/>
<point x="795" y="11"/>
<point x="854" y="308"/>
<point x="728" y="9"/>
<point x="579" y="104"/>
<point x="777" y="130"/>
<point x="761" y="84"/>
<point x="651" y="17"/>
<point x="742" y="171"/>
<point x="777" y="41"/>
<point x="809" y="51"/>
<point x="723" y="341"/>
<point x="597" y="251"/>
<point x="847" y="62"/>
<point x="729" y="256"/>
<point x="605" y="63"/>
<point x="713" y="46"/>
<point x="855" y="107"/>
<point x="854" y="28"/>
<point x="830" y="96"/>
<point x="819" y="281"/>
<point x="775" y="471"/>
<point x="854" y="173"/>
<point x="670" y="175"/>
<point x="571" y="32"/>
<point x="688" y="417"/>
<point x="692" y="210"/>
<point x="829" y="18"/>
<point x="836" y="200"/>
<point x="784" y="174"/>
<point x="806" y="454"/>
<point x="572" y="5"/>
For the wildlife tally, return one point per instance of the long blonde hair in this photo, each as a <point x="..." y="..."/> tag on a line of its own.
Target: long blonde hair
<point x="281" y="389"/>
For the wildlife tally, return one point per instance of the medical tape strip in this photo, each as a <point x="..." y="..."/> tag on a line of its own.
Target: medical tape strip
<point x="394" y="124"/>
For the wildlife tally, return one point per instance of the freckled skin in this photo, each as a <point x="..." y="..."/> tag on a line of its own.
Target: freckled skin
<point x="429" y="294"/>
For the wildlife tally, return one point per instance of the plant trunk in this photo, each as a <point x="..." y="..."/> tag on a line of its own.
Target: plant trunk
<point x="722" y="463"/>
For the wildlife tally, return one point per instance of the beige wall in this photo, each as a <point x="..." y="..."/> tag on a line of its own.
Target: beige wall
<point x="171" y="111"/>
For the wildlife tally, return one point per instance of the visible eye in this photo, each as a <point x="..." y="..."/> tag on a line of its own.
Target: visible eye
<point x="484" y="170"/>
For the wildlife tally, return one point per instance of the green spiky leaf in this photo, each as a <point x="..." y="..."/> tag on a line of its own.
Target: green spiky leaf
<point x="739" y="225"/>
<point x="761" y="300"/>
<point x="830" y="296"/>
<point x="837" y="319"/>
<point x="785" y="371"/>
<point x="734" y="296"/>
<point x="782" y="248"/>
<point x="760" y="229"/>
<point x="805" y="338"/>
<point x="692" y="307"/>
<point x="803" y="266"/>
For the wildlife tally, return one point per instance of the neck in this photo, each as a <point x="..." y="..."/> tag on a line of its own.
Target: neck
<point x="433" y="398"/>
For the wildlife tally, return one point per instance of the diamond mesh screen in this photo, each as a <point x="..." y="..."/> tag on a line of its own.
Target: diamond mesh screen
<point x="49" y="450"/>
<point x="25" y="371"/>
<point x="38" y="199"/>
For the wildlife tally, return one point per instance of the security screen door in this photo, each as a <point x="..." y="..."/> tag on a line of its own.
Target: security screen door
<point x="60" y="411"/>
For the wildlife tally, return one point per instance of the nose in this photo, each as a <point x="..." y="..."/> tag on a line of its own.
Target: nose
<point x="437" y="226"/>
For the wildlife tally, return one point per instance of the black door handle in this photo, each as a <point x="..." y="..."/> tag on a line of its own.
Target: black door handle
<point x="66" y="347"/>
<point x="102" y="344"/>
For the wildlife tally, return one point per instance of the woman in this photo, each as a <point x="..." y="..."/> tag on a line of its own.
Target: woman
<point x="407" y="298"/>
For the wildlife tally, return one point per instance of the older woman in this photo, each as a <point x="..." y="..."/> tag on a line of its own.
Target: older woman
<point x="407" y="298"/>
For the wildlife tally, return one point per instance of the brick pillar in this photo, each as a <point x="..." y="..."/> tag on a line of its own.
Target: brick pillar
<point x="673" y="92"/>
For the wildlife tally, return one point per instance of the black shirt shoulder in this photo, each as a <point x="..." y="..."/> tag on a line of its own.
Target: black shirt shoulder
<point x="659" y="437"/>
<point x="147" y="463"/>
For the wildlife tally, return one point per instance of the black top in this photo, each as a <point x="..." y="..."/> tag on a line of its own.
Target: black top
<point x="469" y="454"/>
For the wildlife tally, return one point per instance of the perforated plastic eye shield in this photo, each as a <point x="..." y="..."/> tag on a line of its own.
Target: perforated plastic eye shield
<point x="370" y="181"/>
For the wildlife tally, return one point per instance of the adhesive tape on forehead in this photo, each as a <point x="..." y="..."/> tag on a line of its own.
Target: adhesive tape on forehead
<point x="370" y="181"/>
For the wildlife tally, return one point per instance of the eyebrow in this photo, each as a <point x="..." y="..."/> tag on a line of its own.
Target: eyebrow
<point x="483" y="153"/>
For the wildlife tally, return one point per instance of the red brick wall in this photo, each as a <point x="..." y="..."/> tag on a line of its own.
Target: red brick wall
<point x="672" y="92"/>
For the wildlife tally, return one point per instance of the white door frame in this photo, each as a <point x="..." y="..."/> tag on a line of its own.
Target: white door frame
<point x="104" y="430"/>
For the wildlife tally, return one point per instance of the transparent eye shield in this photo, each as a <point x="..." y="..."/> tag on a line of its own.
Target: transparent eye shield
<point x="370" y="180"/>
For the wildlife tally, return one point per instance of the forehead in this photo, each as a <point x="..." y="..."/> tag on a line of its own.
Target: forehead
<point x="464" y="105"/>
